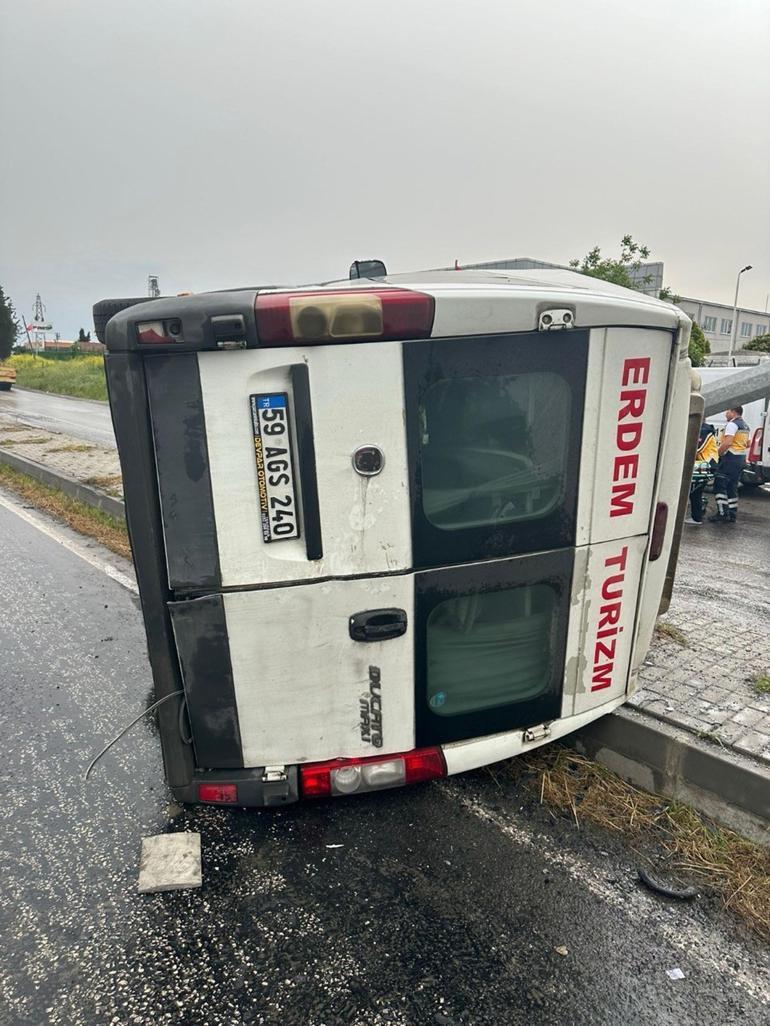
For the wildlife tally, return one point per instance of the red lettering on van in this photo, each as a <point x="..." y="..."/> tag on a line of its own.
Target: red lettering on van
<point x="607" y="629"/>
<point x="628" y="435"/>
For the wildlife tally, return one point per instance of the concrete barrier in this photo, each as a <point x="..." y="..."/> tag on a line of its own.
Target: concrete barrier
<point x="75" y="489"/>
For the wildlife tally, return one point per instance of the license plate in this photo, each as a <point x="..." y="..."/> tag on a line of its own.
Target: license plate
<point x="275" y="467"/>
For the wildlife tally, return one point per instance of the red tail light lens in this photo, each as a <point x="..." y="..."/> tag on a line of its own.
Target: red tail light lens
<point x="354" y="776"/>
<point x="321" y="317"/>
<point x="755" y="449"/>
<point x="222" y="794"/>
<point x="658" y="531"/>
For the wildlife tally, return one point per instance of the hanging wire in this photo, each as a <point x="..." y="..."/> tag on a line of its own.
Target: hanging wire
<point x="125" y="730"/>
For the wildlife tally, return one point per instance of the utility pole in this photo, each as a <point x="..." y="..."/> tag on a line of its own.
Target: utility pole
<point x="734" y="332"/>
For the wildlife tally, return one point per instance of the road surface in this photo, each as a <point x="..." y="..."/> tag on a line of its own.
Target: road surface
<point x="81" y="418"/>
<point x="439" y="905"/>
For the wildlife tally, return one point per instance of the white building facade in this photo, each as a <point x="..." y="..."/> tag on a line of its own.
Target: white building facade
<point x="716" y="321"/>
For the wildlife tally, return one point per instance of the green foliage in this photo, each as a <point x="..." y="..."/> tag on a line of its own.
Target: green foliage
<point x="699" y="346"/>
<point x="9" y="326"/>
<point x="618" y="271"/>
<point x="81" y="376"/>
<point x="84" y="336"/>
<point x="760" y="344"/>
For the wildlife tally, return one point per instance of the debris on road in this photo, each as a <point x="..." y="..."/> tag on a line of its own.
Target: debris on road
<point x="675" y="973"/>
<point x="561" y="950"/>
<point x="170" y="862"/>
<point x="668" y="892"/>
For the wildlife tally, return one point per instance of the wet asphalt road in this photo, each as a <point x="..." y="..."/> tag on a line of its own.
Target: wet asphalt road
<point x="437" y="905"/>
<point x="81" y="418"/>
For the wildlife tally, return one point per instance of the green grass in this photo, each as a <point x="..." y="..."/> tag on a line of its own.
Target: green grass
<point x="80" y="376"/>
<point x="761" y="684"/>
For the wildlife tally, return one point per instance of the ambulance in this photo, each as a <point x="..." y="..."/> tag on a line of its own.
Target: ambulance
<point x="389" y="529"/>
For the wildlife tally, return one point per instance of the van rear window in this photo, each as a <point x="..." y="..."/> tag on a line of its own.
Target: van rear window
<point x="494" y="449"/>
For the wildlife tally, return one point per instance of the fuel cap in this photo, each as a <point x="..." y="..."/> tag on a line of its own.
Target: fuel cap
<point x="368" y="460"/>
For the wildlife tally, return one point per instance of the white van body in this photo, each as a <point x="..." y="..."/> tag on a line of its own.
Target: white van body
<point x="528" y="444"/>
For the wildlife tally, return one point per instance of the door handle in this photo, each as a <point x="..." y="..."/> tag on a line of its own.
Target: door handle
<point x="377" y="624"/>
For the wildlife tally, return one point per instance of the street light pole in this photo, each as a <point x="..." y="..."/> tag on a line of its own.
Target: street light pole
<point x="734" y="332"/>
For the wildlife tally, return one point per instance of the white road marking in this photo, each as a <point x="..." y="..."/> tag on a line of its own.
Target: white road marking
<point x="49" y="529"/>
<point x="702" y="947"/>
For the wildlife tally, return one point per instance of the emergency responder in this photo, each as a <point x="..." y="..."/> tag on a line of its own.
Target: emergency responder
<point x="703" y="473"/>
<point x="732" y="457"/>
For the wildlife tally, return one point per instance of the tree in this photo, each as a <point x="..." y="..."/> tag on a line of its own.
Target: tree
<point x="627" y="271"/>
<point x="760" y="344"/>
<point x="9" y="326"/>
<point x="84" y="336"/>
<point x="699" y="346"/>
<point x="624" y="271"/>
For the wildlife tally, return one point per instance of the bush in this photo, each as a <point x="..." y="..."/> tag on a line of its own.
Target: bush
<point x="760" y="344"/>
<point x="80" y="376"/>
<point x="699" y="346"/>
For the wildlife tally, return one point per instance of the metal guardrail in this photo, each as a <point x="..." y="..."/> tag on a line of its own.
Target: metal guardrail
<point x="744" y="387"/>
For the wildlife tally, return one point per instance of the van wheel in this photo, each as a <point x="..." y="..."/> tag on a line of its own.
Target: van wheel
<point x="107" y="308"/>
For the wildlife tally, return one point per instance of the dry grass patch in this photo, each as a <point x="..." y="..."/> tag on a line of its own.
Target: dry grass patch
<point x="74" y="447"/>
<point x="671" y="633"/>
<point x="737" y="869"/>
<point x="81" y="518"/>
<point x="7" y="442"/>
<point x="107" y="482"/>
<point x="15" y="427"/>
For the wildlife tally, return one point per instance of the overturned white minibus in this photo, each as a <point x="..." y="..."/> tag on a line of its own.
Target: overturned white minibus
<point x="391" y="529"/>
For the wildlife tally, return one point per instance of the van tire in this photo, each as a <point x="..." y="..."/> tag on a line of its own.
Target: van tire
<point x="105" y="309"/>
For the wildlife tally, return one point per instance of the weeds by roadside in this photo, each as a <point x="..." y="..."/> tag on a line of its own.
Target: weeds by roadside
<point x="79" y="376"/>
<point x="81" y="518"/>
<point x="74" y="447"/>
<point x="110" y="483"/>
<point x="737" y="869"/>
<point x="671" y="633"/>
<point x="6" y="443"/>
<point x="761" y="684"/>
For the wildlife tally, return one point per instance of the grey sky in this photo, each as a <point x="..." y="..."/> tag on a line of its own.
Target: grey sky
<point x="226" y="142"/>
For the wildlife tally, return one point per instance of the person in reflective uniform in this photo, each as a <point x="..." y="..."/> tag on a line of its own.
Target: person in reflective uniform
<point x="732" y="457"/>
<point x="703" y="473"/>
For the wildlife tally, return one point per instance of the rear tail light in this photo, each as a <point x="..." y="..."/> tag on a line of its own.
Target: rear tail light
<point x="658" y="531"/>
<point x="755" y="449"/>
<point x="289" y="318"/>
<point x="222" y="794"/>
<point x="159" y="333"/>
<point x="353" y="776"/>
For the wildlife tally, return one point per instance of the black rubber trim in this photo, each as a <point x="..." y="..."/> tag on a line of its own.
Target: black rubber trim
<point x="184" y="479"/>
<point x="308" y="478"/>
<point x="200" y="629"/>
<point x="131" y="421"/>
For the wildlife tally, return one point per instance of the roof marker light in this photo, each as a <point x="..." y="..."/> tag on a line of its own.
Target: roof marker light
<point x="329" y="316"/>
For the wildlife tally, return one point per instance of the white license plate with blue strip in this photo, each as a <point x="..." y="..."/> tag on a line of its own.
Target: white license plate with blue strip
<point x="275" y="466"/>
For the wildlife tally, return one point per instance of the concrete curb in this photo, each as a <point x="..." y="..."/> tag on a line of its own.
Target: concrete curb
<point x="731" y="788"/>
<point x="60" y="395"/>
<point x="75" y="489"/>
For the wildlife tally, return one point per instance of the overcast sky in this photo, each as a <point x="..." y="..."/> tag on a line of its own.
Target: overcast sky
<point x="235" y="142"/>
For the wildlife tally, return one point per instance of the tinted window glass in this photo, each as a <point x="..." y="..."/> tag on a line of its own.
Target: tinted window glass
<point x="489" y="649"/>
<point x="494" y="449"/>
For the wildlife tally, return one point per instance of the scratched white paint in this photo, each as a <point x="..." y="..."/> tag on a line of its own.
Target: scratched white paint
<point x="357" y="399"/>
<point x="299" y="676"/>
